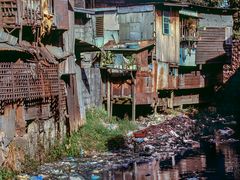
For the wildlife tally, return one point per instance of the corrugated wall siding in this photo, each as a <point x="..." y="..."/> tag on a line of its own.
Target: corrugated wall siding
<point x="211" y="45"/>
<point x="91" y="84"/>
<point x="133" y="26"/>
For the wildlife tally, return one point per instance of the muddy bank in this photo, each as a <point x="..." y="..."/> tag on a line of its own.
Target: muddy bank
<point x="164" y="142"/>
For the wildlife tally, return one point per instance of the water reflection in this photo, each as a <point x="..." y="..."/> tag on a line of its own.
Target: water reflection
<point x="217" y="163"/>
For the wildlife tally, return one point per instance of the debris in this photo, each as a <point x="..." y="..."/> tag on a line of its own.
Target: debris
<point x="140" y="134"/>
<point x="167" y="141"/>
<point x="174" y="133"/>
<point x="95" y="177"/>
<point x="36" y="178"/>
<point x="227" y="132"/>
<point x="23" y="177"/>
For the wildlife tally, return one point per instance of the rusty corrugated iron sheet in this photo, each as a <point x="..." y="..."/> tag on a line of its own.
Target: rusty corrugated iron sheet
<point x="191" y="80"/>
<point x="7" y="38"/>
<point x="28" y="81"/>
<point x="167" y="80"/>
<point x="7" y="47"/>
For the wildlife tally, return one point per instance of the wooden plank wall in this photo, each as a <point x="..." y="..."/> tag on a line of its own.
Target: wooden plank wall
<point x="168" y="46"/>
<point x="210" y="45"/>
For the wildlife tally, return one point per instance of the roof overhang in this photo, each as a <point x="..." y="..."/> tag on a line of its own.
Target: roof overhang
<point x="82" y="46"/>
<point x="7" y="47"/>
<point x="190" y="13"/>
<point x="131" y="50"/>
<point x="84" y="11"/>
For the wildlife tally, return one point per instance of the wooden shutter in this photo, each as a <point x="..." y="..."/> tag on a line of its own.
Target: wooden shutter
<point x="99" y="26"/>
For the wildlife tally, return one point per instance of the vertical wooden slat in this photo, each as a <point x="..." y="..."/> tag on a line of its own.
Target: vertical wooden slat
<point x="108" y="96"/>
<point x="133" y="99"/>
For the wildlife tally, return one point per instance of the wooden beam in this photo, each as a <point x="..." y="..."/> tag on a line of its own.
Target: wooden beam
<point x="171" y="100"/>
<point x="133" y="99"/>
<point x="108" y="96"/>
<point x="111" y="99"/>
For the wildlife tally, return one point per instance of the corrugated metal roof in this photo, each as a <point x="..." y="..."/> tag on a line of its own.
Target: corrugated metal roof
<point x="82" y="46"/>
<point x="135" y="9"/>
<point x="188" y="13"/>
<point x="7" y="47"/>
<point x="57" y="52"/>
<point x="213" y="20"/>
<point x="5" y="37"/>
<point x="83" y="10"/>
<point x="148" y="46"/>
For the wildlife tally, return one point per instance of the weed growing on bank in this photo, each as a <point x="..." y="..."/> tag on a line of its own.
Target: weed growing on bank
<point x="99" y="134"/>
<point x="6" y="174"/>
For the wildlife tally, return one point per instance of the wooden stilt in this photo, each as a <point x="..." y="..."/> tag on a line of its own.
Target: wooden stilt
<point x="133" y="99"/>
<point x="171" y="100"/>
<point x="111" y="100"/>
<point x="135" y="171"/>
<point x="108" y="96"/>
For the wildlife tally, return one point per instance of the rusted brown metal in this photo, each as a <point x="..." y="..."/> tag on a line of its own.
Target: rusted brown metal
<point x="41" y="13"/>
<point x="122" y="79"/>
<point x="27" y="81"/>
<point x="191" y="81"/>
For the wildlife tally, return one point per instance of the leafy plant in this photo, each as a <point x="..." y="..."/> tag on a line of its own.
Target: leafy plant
<point x="94" y="136"/>
<point x="6" y="174"/>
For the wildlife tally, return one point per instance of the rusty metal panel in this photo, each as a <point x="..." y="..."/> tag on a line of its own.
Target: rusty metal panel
<point x="213" y="20"/>
<point x="79" y="3"/>
<point x="133" y="26"/>
<point x="30" y="12"/>
<point x="9" y="14"/>
<point x="32" y="112"/>
<point x="167" y="76"/>
<point x="61" y="14"/>
<point x="144" y="88"/>
<point x="75" y="120"/>
<point x="191" y="80"/>
<point x="23" y="81"/>
<point x="162" y="79"/>
<point x="121" y="88"/>
<point x="142" y="59"/>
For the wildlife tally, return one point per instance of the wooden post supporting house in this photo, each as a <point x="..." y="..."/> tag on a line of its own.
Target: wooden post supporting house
<point x="171" y="100"/>
<point x="111" y="99"/>
<point x="108" y="96"/>
<point x="133" y="98"/>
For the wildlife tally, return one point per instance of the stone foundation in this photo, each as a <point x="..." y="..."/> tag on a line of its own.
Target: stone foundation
<point x="29" y="130"/>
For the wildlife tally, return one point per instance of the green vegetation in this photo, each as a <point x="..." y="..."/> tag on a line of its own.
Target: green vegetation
<point x="6" y="174"/>
<point x="29" y="165"/>
<point x="99" y="134"/>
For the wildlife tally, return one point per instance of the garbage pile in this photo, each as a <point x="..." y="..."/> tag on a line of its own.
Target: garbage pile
<point x="167" y="141"/>
<point x="174" y="137"/>
<point x="216" y="129"/>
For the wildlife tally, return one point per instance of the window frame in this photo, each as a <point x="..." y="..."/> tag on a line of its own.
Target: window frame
<point x="166" y="15"/>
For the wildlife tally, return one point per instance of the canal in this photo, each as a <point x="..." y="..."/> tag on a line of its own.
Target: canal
<point x="213" y="162"/>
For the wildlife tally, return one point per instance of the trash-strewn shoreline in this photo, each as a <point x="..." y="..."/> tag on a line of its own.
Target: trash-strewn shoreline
<point x="167" y="142"/>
